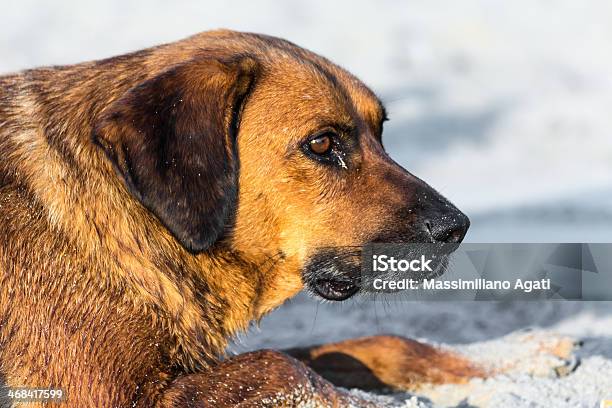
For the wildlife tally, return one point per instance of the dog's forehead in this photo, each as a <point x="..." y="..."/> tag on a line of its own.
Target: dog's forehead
<point x="344" y="85"/>
<point x="307" y="81"/>
<point x="298" y="83"/>
<point x="296" y="70"/>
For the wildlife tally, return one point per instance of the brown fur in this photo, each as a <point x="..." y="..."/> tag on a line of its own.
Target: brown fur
<point x="97" y="295"/>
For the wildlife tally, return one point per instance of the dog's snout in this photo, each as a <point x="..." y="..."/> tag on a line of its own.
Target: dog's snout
<point x="450" y="227"/>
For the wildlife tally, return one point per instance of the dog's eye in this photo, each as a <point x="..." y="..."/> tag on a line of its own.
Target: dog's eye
<point x="325" y="147"/>
<point x="320" y="145"/>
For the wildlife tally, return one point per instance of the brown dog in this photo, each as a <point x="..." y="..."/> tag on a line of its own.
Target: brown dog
<point x="155" y="203"/>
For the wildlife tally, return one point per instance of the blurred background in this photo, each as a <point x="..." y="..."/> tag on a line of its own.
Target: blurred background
<point x="504" y="106"/>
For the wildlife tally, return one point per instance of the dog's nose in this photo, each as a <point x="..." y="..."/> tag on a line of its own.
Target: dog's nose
<point x="450" y="227"/>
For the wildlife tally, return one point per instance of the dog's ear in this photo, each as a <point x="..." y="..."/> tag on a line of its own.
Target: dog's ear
<point x="172" y="139"/>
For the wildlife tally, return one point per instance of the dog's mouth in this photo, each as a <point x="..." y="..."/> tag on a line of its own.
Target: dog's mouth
<point x="335" y="289"/>
<point x="334" y="273"/>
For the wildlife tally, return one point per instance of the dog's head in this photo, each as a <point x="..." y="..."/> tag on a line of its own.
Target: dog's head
<point x="262" y="147"/>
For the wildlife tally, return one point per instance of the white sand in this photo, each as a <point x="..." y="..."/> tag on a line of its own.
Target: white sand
<point x="485" y="331"/>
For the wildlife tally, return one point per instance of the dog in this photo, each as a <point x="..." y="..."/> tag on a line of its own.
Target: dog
<point x="153" y="204"/>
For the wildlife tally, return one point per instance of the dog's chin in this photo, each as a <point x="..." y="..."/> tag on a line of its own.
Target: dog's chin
<point x="334" y="289"/>
<point x="334" y="273"/>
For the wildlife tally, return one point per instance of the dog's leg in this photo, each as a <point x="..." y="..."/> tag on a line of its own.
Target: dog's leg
<point x="386" y="362"/>
<point x="262" y="378"/>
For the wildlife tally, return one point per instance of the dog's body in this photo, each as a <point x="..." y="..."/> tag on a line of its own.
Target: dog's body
<point x="128" y="253"/>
